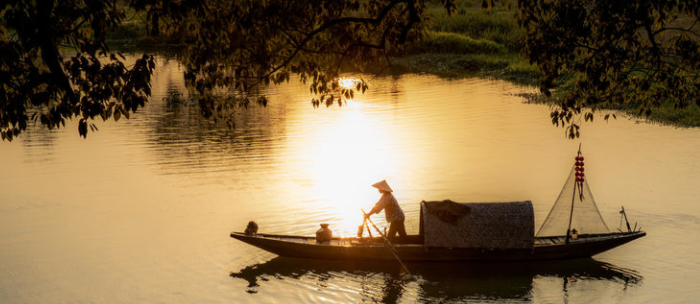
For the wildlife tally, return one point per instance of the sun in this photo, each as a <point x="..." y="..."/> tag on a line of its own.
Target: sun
<point x="348" y="82"/>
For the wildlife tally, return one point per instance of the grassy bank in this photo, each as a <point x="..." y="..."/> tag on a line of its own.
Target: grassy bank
<point x="508" y="67"/>
<point x="471" y="42"/>
<point x="133" y="34"/>
<point x="667" y="114"/>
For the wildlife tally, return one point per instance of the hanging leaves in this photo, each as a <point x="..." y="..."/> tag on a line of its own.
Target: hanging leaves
<point x="34" y="77"/>
<point x="602" y="53"/>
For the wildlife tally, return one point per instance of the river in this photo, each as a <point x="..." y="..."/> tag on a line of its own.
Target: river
<point x="141" y="210"/>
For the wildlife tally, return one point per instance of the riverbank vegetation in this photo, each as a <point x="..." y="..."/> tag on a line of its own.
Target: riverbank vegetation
<point x="471" y="41"/>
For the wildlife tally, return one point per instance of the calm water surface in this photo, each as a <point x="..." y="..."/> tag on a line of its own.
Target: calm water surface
<point x="142" y="209"/>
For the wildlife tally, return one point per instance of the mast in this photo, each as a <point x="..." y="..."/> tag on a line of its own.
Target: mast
<point x="571" y="215"/>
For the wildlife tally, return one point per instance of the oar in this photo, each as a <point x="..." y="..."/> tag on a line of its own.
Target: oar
<point x="386" y="240"/>
<point x="361" y="229"/>
<point x="368" y="230"/>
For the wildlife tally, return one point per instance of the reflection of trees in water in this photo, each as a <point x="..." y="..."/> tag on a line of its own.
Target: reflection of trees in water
<point x="184" y="140"/>
<point x="38" y="142"/>
<point x="442" y="282"/>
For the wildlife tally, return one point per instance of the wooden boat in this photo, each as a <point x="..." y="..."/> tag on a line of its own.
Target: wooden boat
<point x="486" y="232"/>
<point x="413" y="250"/>
<point x="451" y="232"/>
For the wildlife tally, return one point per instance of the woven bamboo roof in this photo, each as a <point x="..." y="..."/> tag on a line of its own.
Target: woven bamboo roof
<point x="478" y="225"/>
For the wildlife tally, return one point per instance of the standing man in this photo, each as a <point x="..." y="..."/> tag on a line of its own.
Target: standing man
<point x="392" y="210"/>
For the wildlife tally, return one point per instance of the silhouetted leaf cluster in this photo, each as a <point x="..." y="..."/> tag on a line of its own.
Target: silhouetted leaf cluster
<point x="36" y="79"/>
<point x="643" y="53"/>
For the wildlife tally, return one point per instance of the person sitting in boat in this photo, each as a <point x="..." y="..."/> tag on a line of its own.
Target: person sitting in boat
<point x="392" y="210"/>
<point x="574" y="234"/>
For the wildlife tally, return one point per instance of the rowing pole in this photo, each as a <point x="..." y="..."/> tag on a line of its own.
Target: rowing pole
<point x="386" y="240"/>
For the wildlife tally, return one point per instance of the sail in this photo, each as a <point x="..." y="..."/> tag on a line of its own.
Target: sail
<point x="584" y="216"/>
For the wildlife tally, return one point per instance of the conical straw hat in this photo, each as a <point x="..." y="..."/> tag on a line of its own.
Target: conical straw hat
<point x="383" y="186"/>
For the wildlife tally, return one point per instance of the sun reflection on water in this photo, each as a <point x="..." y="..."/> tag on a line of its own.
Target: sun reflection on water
<point x="349" y="158"/>
<point x="348" y="82"/>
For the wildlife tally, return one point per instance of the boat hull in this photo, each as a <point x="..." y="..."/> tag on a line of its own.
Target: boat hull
<point x="374" y="249"/>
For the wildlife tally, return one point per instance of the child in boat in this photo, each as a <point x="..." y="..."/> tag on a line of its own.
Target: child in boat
<point x="392" y="210"/>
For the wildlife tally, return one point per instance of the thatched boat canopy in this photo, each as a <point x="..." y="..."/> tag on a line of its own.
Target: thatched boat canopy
<point x="478" y="225"/>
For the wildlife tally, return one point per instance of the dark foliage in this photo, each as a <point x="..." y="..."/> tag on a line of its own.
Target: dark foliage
<point x="38" y="84"/>
<point x="232" y="48"/>
<point x="641" y="53"/>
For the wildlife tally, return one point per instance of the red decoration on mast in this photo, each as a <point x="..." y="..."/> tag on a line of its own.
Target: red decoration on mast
<point x="580" y="177"/>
